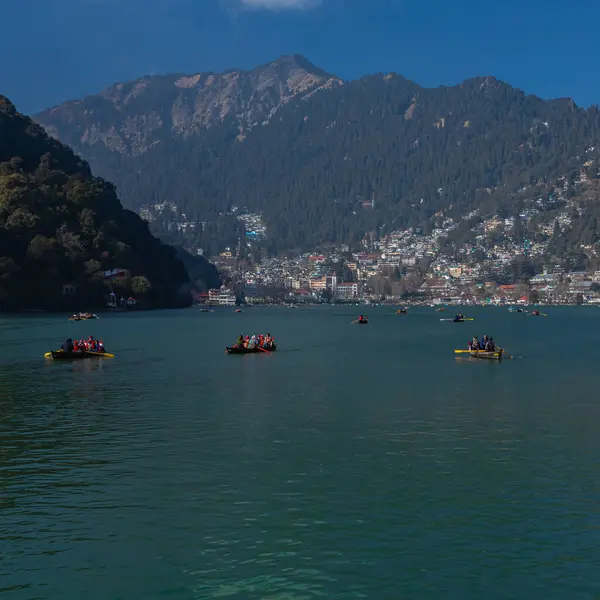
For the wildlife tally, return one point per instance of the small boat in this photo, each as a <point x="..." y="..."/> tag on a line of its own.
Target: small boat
<point x="62" y="355"/>
<point x="255" y="350"/>
<point x="458" y="320"/>
<point x="402" y="311"/>
<point x="83" y="317"/>
<point x="440" y="309"/>
<point x="484" y="354"/>
<point x="363" y="321"/>
<point x="206" y="310"/>
<point x="238" y="310"/>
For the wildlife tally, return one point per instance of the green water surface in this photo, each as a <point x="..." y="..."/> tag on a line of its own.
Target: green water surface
<point x="355" y="462"/>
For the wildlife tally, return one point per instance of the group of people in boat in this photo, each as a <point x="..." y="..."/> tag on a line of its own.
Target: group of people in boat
<point x="459" y="317"/>
<point x="487" y="344"/>
<point x="362" y="319"/>
<point x="82" y="316"/>
<point x="262" y="340"/>
<point x="89" y="345"/>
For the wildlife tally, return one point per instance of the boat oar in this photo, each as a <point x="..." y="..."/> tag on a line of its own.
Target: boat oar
<point x="354" y="322"/>
<point x="505" y="352"/>
<point x="262" y="349"/>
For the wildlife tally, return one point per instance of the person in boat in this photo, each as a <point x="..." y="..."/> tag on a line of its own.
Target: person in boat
<point x="240" y="341"/>
<point x="68" y="345"/>
<point x="484" y="341"/>
<point x="474" y="343"/>
<point x="459" y="317"/>
<point x="536" y="312"/>
<point x="490" y="346"/>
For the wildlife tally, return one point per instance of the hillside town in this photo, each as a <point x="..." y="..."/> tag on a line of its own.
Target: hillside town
<point x="496" y="259"/>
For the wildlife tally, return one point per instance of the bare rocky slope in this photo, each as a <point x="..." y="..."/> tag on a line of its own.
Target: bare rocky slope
<point x="130" y="118"/>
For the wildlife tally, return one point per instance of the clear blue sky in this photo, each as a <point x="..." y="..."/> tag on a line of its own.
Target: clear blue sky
<point x="55" y="50"/>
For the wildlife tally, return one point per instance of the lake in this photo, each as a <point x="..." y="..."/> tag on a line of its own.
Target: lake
<point x="354" y="462"/>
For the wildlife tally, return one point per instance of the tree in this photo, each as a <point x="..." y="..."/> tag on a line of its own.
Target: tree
<point x="140" y="285"/>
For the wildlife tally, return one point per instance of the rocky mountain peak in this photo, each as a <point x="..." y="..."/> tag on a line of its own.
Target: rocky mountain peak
<point x="131" y="117"/>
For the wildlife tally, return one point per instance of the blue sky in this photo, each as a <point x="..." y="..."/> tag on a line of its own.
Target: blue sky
<point x="55" y="50"/>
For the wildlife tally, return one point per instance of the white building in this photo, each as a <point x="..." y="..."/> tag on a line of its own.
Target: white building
<point x="347" y="291"/>
<point x="222" y="297"/>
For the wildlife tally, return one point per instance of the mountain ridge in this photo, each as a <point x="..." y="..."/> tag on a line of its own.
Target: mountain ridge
<point x="314" y="159"/>
<point x="187" y="104"/>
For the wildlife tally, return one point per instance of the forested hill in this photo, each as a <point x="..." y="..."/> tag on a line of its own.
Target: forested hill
<point x="326" y="161"/>
<point x="61" y="229"/>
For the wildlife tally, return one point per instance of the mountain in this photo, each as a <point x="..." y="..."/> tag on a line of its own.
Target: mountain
<point x="62" y="229"/>
<point x="131" y="118"/>
<point x="313" y="160"/>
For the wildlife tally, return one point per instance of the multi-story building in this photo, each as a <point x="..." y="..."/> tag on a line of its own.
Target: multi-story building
<point x="222" y="297"/>
<point x="331" y="282"/>
<point x="347" y="291"/>
<point x="318" y="284"/>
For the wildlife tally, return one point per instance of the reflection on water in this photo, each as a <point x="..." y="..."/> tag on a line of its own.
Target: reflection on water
<point x="376" y="467"/>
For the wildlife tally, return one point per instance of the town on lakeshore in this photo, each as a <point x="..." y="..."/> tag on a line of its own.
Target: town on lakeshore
<point x="497" y="259"/>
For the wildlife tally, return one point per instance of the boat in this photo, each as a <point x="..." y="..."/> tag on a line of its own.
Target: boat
<point x="62" y="355"/>
<point x="254" y="350"/>
<point x="440" y="309"/>
<point x="83" y="317"/>
<point x="402" y="311"/>
<point x="458" y="320"/>
<point x="363" y="321"/>
<point x="485" y="354"/>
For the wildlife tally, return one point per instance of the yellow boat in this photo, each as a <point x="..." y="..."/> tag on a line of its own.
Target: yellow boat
<point x="484" y="354"/>
<point x="496" y="355"/>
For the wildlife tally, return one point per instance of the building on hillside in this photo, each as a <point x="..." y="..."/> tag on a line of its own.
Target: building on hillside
<point x="318" y="284"/>
<point x="221" y="297"/>
<point x="226" y="297"/>
<point x="301" y="295"/>
<point x="347" y="291"/>
<point x="116" y="274"/>
<point x="331" y="282"/>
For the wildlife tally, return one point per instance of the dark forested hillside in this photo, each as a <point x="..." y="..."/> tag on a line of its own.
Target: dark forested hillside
<point x="61" y="229"/>
<point x="337" y="161"/>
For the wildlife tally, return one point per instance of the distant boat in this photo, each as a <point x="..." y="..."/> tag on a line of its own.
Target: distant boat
<point x="254" y="350"/>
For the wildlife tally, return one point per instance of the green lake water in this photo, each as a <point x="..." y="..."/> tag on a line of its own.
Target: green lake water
<point x="355" y="462"/>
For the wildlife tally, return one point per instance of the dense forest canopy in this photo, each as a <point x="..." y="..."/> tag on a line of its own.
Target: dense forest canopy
<point x="313" y="166"/>
<point x="62" y="229"/>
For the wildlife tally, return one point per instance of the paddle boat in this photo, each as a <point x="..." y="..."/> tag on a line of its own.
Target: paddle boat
<point x="458" y="319"/>
<point x="253" y="350"/>
<point x="83" y="317"/>
<point x="402" y="311"/>
<point x="62" y="355"/>
<point x="488" y="355"/>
